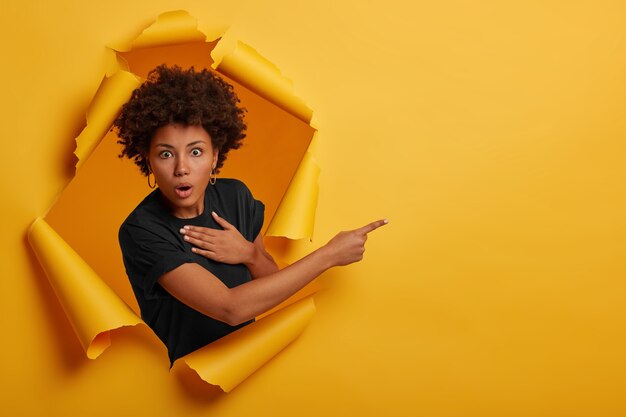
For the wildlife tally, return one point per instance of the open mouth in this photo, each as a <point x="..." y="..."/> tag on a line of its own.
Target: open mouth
<point x="184" y="190"/>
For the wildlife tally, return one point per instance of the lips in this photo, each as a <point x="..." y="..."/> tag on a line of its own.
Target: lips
<point x="184" y="190"/>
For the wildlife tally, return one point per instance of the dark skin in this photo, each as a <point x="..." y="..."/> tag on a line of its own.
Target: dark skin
<point x="230" y="247"/>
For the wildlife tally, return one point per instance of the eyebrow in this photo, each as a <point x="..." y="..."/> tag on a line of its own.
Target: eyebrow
<point x="197" y="142"/>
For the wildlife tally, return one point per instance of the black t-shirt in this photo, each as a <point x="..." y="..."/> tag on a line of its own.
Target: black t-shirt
<point x="152" y="245"/>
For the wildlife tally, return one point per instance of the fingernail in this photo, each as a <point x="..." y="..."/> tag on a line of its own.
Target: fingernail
<point x="186" y="237"/>
<point x="182" y="231"/>
<point x="186" y="227"/>
<point x="385" y="221"/>
<point x="214" y="213"/>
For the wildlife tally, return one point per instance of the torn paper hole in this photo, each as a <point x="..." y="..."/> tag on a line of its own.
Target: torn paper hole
<point x="89" y="278"/>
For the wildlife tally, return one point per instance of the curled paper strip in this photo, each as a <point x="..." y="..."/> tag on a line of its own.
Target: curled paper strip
<point x="231" y="359"/>
<point x="170" y="28"/>
<point x="301" y="198"/>
<point x="244" y="65"/>
<point x="113" y="92"/>
<point x="91" y="306"/>
<point x="107" y="188"/>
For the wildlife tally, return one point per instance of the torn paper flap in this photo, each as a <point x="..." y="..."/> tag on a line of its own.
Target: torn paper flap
<point x="170" y="28"/>
<point x="295" y="216"/>
<point x="91" y="306"/>
<point x="113" y="92"/>
<point x="246" y="66"/>
<point x="230" y="360"/>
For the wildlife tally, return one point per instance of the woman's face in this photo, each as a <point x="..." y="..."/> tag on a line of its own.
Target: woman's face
<point x="181" y="158"/>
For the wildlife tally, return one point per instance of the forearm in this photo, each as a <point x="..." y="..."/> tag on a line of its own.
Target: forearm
<point x="260" y="263"/>
<point x="201" y="290"/>
<point x="255" y="297"/>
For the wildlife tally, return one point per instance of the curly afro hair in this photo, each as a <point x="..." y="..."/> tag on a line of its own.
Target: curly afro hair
<point x="185" y="96"/>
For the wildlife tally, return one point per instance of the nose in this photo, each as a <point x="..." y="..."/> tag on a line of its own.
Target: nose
<point x="182" y="167"/>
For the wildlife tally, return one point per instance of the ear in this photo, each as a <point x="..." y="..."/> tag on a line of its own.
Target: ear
<point x="216" y="154"/>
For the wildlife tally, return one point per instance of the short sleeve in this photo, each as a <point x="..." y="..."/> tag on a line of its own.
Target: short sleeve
<point x="252" y="210"/>
<point x="147" y="256"/>
<point x="258" y="213"/>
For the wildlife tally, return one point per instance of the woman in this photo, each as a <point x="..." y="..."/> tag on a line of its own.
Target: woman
<point x="192" y="248"/>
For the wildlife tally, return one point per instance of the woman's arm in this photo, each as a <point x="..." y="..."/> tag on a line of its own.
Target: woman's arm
<point x="230" y="247"/>
<point x="261" y="262"/>
<point x="204" y="292"/>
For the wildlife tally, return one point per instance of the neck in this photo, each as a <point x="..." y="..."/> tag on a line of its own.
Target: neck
<point x="184" y="212"/>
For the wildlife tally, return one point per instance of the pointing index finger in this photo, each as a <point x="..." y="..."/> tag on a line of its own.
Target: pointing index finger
<point x="372" y="226"/>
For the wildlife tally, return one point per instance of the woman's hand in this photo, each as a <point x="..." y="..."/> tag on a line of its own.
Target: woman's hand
<point x="227" y="246"/>
<point x="348" y="247"/>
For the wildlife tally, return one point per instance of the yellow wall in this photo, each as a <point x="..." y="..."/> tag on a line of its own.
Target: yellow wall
<point x="491" y="134"/>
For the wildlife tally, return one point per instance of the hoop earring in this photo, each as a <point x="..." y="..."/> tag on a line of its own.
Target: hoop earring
<point x="151" y="185"/>
<point x="212" y="177"/>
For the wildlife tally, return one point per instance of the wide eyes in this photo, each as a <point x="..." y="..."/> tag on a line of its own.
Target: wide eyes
<point x="169" y="154"/>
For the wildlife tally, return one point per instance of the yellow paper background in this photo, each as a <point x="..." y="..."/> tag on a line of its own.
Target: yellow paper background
<point x="492" y="134"/>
